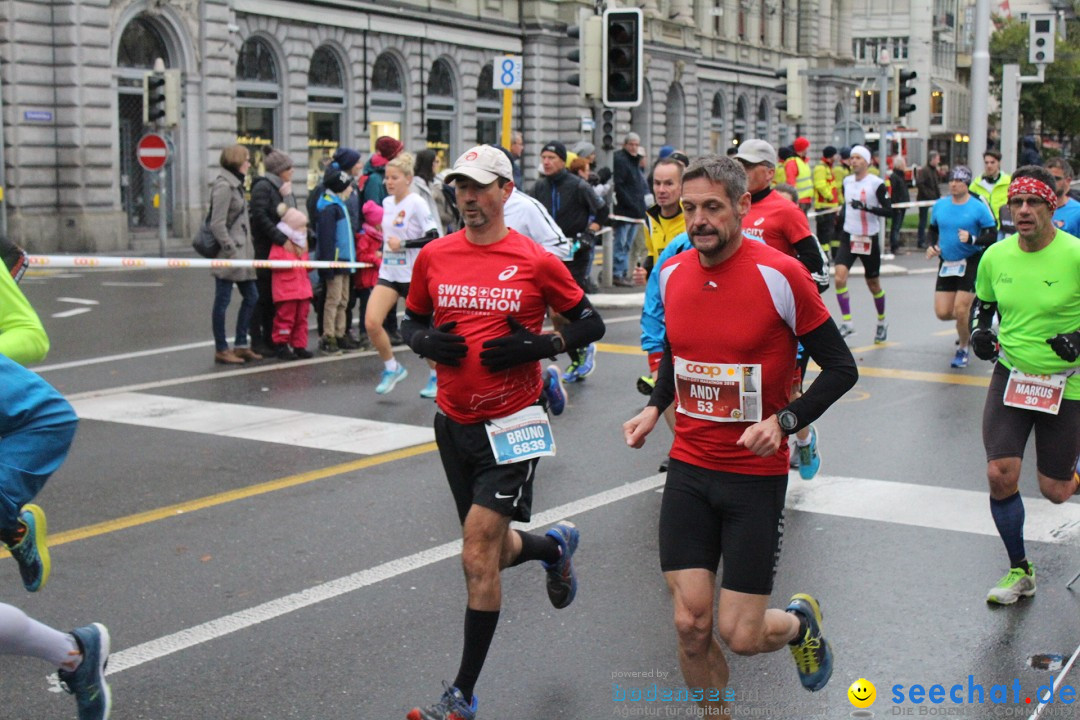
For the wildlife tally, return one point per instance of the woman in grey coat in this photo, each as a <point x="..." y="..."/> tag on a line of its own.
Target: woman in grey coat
<point x="230" y="226"/>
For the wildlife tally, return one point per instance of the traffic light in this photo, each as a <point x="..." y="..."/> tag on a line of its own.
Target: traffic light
<point x="587" y="55"/>
<point x="794" y="88"/>
<point x="1041" y="39"/>
<point x="623" y="57"/>
<point x="607" y="129"/>
<point x="901" y="91"/>
<point x="161" y="98"/>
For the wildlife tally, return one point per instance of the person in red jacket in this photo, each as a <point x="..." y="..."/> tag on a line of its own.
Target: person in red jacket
<point x="369" y="242"/>
<point x="291" y="288"/>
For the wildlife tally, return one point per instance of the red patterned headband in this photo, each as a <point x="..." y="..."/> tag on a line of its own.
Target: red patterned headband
<point x="1031" y="186"/>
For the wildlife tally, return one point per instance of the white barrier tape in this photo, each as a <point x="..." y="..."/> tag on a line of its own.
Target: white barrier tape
<point x="91" y="261"/>
<point x="896" y="206"/>
<point x="635" y="221"/>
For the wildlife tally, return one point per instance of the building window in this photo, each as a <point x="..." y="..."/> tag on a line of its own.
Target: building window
<point x="676" y="117"/>
<point x="717" y="139"/>
<point x="937" y="107"/>
<point x="258" y="99"/>
<point x="742" y="114"/>
<point x="717" y="11"/>
<point x="488" y="108"/>
<point x="326" y="107"/>
<point x="387" y="104"/>
<point x="440" y="110"/>
<point x="763" y="118"/>
<point x="140" y="45"/>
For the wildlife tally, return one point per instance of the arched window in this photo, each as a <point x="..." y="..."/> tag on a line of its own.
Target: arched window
<point x="140" y="45"/>
<point x="326" y="108"/>
<point x="717" y="139"/>
<point x="840" y="113"/>
<point x="258" y="99"/>
<point x="676" y="117"/>
<point x="440" y="109"/>
<point x="742" y="113"/>
<point x="387" y="103"/>
<point x="488" y="108"/>
<point x="763" y="119"/>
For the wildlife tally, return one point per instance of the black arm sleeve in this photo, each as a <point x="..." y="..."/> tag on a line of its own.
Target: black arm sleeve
<point x="808" y="250"/>
<point x="886" y="204"/>
<point x="421" y="242"/>
<point x="987" y="237"/>
<point x="934" y="234"/>
<point x="586" y="326"/>
<point x="983" y="313"/>
<point x="412" y="324"/>
<point x="838" y="373"/>
<point x="663" y="393"/>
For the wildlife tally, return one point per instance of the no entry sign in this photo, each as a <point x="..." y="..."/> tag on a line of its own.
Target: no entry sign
<point x="152" y="152"/>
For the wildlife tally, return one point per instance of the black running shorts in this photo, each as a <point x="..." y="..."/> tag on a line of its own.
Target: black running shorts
<point x="401" y="288"/>
<point x="959" y="283"/>
<point x="871" y="263"/>
<point x="474" y="476"/>
<point x="709" y="513"/>
<point x="1006" y="430"/>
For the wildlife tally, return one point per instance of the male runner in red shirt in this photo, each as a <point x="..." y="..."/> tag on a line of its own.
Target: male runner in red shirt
<point x="727" y="478"/>
<point x="476" y="307"/>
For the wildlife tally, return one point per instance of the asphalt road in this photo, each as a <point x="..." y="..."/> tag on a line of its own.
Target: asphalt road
<point x="265" y="578"/>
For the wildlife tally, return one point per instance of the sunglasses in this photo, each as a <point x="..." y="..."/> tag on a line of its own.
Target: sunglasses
<point x="1033" y="202"/>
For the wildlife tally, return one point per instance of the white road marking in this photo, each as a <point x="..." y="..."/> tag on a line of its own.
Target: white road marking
<point x="904" y="503"/>
<point x="249" y="422"/>
<point x="77" y="301"/>
<point x="133" y="284"/>
<point x="71" y="313"/>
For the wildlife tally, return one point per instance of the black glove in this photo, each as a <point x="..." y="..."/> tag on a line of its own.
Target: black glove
<point x="520" y="346"/>
<point x="857" y="204"/>
<point x="439" y="344"/>
<point x="985" y="343"/>
<point x="14" y="257"/>
<point x="1066" y="345"/>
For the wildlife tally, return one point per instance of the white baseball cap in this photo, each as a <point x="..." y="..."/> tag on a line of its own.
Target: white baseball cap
<point x="756" y="151"/>
<point x="484" y="164"/>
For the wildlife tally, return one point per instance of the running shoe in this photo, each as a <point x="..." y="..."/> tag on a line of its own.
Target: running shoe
<point x="961" y="359"/>
<point x="809" y="458"/>
<point x="31" y="552"/>
<point x="1015" y="585"/>
<point x="390" y="378"/>
<point x="451" y="706"/>
<point x="561" y="581"/>
<point x="87" y="681"/>
<point x="847" y="329"/>
<point x="431" y="390"/>
<point x="554" y="390"/>
<point x="793" y="454"/>
<point x="813" y="656"/>
<point x="881" y="334"/>
<point x="588" y="363"/>
<point x="577" y="357"/>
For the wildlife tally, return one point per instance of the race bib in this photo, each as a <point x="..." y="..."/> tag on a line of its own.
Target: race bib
<point x="861" y="245"/>
<point x="719" y="393"/>
<point x="390" y="257"/>
<point x="952" y="268"/>
<point x="522" y="436"/>
<point x="1035" y="392"/>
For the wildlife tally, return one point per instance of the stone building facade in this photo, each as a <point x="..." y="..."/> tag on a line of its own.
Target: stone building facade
<point x="309" y="76"/>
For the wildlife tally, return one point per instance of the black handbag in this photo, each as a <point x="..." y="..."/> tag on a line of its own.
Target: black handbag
<point x="205" y="243"/>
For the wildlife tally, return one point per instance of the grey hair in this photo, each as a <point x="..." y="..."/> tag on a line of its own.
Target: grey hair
<point x="719" y="169"/>
<point x="1062" y="164"/>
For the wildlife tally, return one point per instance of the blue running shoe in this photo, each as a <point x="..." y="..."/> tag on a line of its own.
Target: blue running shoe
<point x="588" y="363"/>
<point x="809" y="457"/>
<point x="390" y="378"/>
<point x="431" y="390"/>
<point x="574" y="369"/>
<point x="554" y="390"/>
<point x="813" y="656"/>
<point x="561" y="581"/>
<point x="961" y="359"/>
<point x="87" y="682"/>
<point x="451" y="706"/>
<point x="32" y="552"/>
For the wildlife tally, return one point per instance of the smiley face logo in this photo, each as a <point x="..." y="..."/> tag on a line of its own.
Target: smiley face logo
<point x="862" y="693"/>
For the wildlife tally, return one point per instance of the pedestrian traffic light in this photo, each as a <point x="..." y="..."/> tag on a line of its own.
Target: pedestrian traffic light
<point x="623" y="57"/>
<point x="607" y="128"/>
<point x="794" y="88"/>
<point x="161" y="98"/>
<point x="587" y="55"/>
<point x="1041" y="39"/>
<point x="901" y="91"/>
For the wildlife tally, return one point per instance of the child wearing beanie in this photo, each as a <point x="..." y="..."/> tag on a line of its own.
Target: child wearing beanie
<point x="369" y="242"/>
<point x="291" y="287"/>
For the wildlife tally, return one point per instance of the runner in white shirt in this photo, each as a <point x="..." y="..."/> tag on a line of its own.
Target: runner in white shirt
<point x="407" y="226"/>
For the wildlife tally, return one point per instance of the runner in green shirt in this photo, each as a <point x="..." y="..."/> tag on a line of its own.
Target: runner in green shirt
<point x="1032" y="279"/>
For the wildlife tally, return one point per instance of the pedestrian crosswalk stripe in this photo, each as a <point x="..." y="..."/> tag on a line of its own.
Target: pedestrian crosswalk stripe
<point x="248" y="422"/>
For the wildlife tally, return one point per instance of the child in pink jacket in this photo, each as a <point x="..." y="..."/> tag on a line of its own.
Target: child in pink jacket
<point x="369" y="242"/>
<point x="291" y="288"/>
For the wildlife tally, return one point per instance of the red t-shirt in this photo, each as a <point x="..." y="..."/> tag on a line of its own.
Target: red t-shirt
<point x="777" y="222"/>
<point x="746" y="311"/>
<point x="479" y="286"/>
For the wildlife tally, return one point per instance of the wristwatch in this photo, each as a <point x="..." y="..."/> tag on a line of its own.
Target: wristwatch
<point x="558" y="343"/>
<point x="788" y="421"/>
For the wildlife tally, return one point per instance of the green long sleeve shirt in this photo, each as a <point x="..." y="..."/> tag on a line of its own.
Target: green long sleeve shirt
<point x="22" y="337"/>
